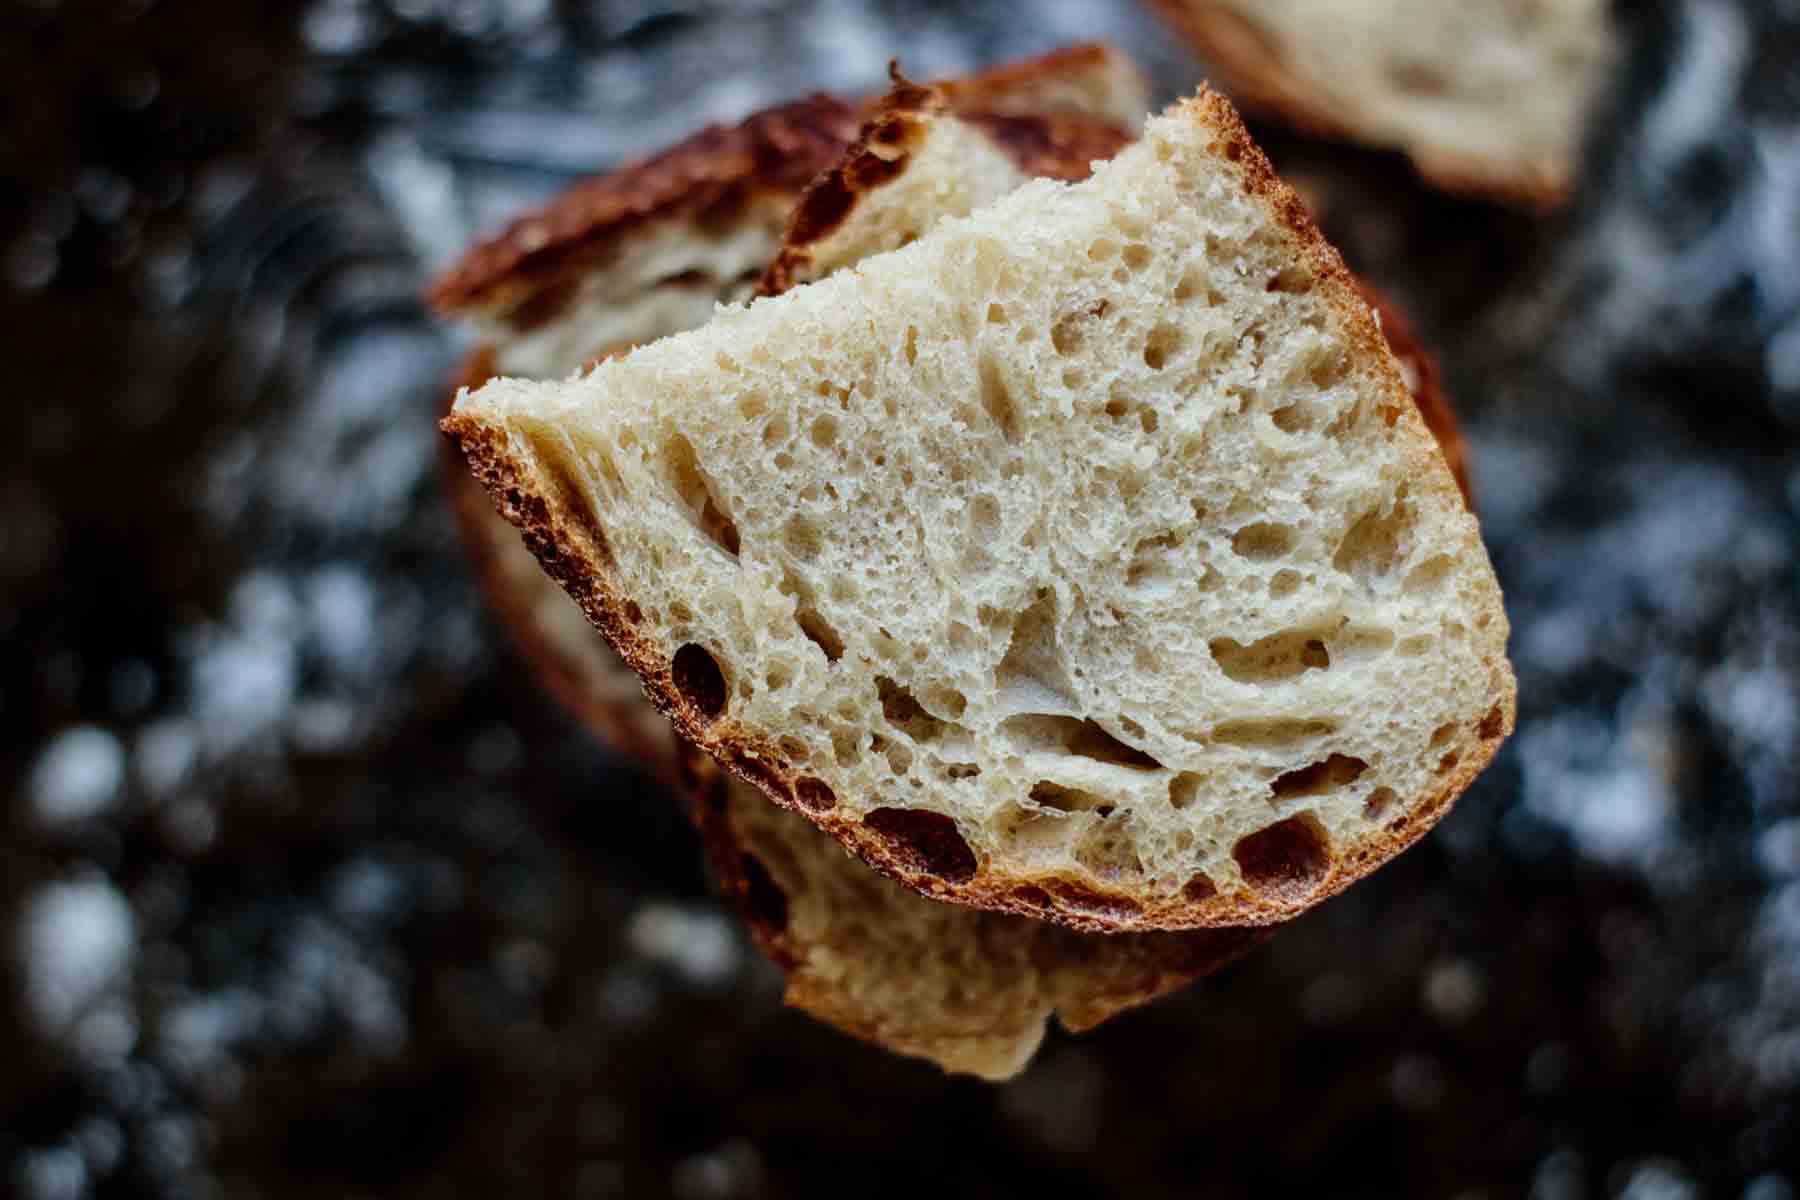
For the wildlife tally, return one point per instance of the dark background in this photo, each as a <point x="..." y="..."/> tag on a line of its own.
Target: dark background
<point x="305" y="889"/>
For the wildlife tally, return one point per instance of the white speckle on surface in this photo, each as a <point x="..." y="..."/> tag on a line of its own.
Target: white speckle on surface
<point x="77" y="777"/>
<point x="1658" y="1179"/>
<point x="1700" y="91"/>
<point x="699" y="944"/>
<point x="1778" y="848"/>
<point x="1769" y="1187"/>
<point x="1607" y="790"/>
<point x="56" y="1173"/>
<point x="1559" y="1177"/>
<point x="75" y="944"/>
<point x="1417" y="1082"/>
<point x="627" y="995"/>
<point x="719" y="1174"/>
<point x="1453" y="990"/>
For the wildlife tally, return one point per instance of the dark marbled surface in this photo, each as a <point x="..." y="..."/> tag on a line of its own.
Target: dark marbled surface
<point x="306" y="890"/>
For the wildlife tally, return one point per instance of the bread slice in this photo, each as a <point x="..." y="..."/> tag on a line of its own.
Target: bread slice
<point x="1083" y="559"/>
<point x="972" y="991"/>
<point x="1489" y="96"/>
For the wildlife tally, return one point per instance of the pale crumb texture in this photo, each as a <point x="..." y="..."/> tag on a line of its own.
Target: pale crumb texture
<point x="972" y="991"/>
<point x="1488" y="96"/>
<point x="1084" y="558"/>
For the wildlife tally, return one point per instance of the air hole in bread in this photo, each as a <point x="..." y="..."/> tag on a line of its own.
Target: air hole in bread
<point x="814" y="795"/>
<point x="1164" y="343"/>
<point x="1297" y="417"/>
<point x="1263" y="541"/>
<point x="1184" y="789"/>
<point x="699" y="681"/>
<point x="905" y="713"/>
<point x="1106" y="850"/>
<point x="1492" y="725"/>
<point x="776" y="431"/>
<point x="1371" y="546"/>
<point x="1198" y="889"/>
<point x="998" y="401"/>
<point x="1336" y="771"/>
<point x="1062" y="799"/>
<point x="1429" y="575"/>
<point x="912" y="345"/>
<point x="1273" y="733"/>
<point x="1418" y="78"/>
<point x="1414" y="646"/>
<point x="924" y="842"/>
<point x="846" y="745"/>
<point x="1036" y="830"/>
<point x="1284" y="583"/>
<point x="710" y="517"/>
<point x="1274" y="659"/>
<point x="1102" y="249"/>
<point x="824" y="430"/>
<point x="765" y="904"/>
<point x="984" y="519"/>
<point x="1379" y="801"/>
<point x="1288" y="860"/>
<point x="996" y="314"/>
<point x="1136" y="256"/>
<point x="1048" y="733"/>
<point x="795" y="750"/>
<point x="1448" y="763"/>
<point x="1030" y="676"/>
<point x="1070" y="330"/>
<point x="1291" y="280"/>
<point x="1442" y="734"/>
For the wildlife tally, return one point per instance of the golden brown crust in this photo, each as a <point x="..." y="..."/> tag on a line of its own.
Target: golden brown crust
<point x="573" y="550"/>
<point x="1255" y="74"/>
<point x="1051" y="146"/>
<point x="1105" y="974"/>
<point x="707" y="176"/>
<point x="1426" y="384"/>
<point x="623" y="724"/>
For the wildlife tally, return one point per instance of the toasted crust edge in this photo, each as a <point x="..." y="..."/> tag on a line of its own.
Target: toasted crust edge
<point x="777" y="150"/>
<point x="1050" y="146"/>
<point x="574" y="553"/>
<point x="1253" y="73"/>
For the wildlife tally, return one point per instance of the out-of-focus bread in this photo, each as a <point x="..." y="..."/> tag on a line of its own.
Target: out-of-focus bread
<point x="1489" y="96"/>
<point x="972" y="991"/>
<point x="1084" y="559"/>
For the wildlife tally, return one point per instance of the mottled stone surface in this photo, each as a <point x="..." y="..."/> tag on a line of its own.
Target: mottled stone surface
<point x="306" y="890"/>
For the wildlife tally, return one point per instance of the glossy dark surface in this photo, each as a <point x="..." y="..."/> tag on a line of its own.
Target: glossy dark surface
<point x="306" y="890"/>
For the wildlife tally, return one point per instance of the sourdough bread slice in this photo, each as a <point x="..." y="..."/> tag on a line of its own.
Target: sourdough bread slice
<point x="968" y="990"/>
<point x="972" y="991"/>
<point x="1083" y="559"/>
<point x="1489" y="96"/>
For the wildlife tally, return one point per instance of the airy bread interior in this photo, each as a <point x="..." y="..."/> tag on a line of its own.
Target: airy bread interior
<point x="1084" y="558"/>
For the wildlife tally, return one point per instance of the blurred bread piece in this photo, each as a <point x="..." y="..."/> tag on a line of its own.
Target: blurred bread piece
<point x="1489" y="96"/>
<point x="969" y="990"/>
<point x="1085" y="558"/>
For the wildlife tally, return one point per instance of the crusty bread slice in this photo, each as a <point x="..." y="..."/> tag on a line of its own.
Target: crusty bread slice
<point x="1083" y="559"/>
<point x="1488" y="97"/>
<point x="653" y="246"/>
<point x="972" y="991"/>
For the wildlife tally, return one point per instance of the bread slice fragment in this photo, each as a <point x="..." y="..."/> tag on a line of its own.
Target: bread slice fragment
<point x="1084" y="559"/>
<point x="972" y="991"/>
<point x="1489" y="96"/>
